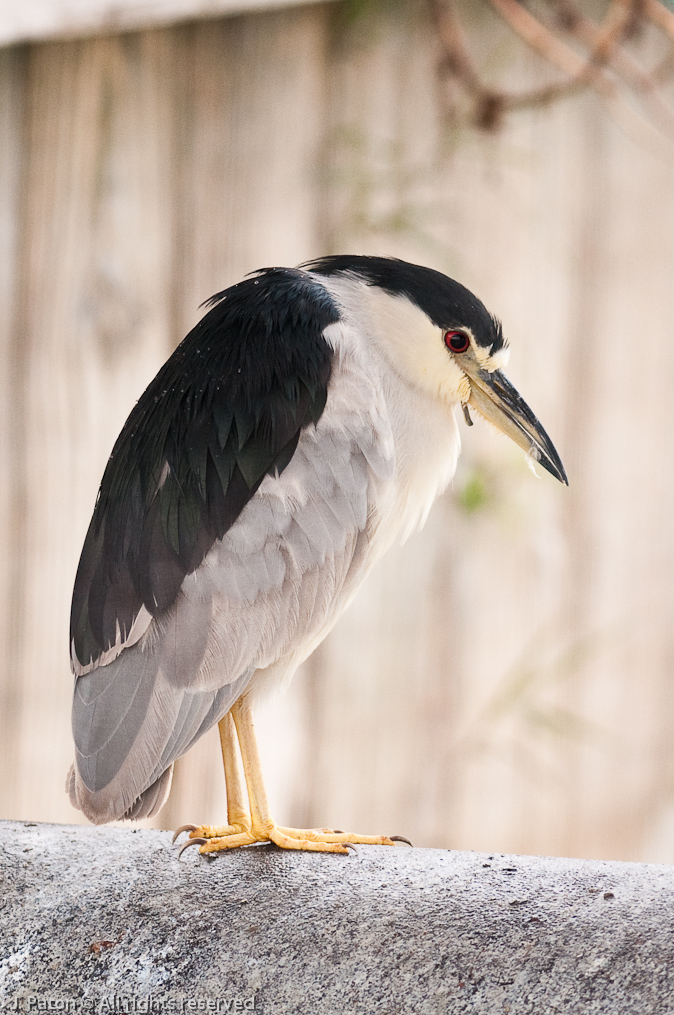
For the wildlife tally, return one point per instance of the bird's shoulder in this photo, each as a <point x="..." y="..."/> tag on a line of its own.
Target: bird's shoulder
<point x="226" y="410"/>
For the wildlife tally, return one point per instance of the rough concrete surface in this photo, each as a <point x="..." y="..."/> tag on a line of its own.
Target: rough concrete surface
<point x="107" y="920"/>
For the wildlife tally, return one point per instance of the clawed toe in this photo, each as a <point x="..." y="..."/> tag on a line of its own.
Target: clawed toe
<point x="190" y="842"/>
<point x="183" y="828"/>
<point x="240" y="832"/>
<point x="287" y="838"/>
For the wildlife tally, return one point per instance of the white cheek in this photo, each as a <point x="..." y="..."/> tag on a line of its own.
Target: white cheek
<point x="414" y="347"/>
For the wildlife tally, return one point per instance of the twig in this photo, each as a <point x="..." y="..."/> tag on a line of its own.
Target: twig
<point x="605" y="54"/>
<point x="588" y="33"/>
<point x="556" y="52"/>
<point x="664" y="68"/>
<point x="590" y="71"/>
<point x="660" y="16"/>
<point x="458" y="59"/>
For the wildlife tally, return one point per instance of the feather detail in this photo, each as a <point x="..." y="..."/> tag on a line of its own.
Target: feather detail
<point x="138" y="629"/>
<point x="226" y="410"/>
<point x="262" y="598"/>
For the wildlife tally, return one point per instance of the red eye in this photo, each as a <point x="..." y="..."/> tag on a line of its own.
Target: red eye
<point x="457" y="341"/>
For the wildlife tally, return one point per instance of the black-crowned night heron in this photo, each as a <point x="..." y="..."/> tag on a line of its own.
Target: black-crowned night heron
<point x="303" y="425"/>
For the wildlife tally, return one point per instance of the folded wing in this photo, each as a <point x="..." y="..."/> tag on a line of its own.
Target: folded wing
<point x="225" y="540"/>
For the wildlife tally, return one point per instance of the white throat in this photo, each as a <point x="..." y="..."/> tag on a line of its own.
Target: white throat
<point x="396" y="343"/>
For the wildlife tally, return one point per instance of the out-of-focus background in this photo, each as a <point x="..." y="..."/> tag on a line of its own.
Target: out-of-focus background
<point x="504" y="681"/>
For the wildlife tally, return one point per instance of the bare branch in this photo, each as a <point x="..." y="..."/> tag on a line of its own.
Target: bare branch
<point x="556" y="52"/>
<point x="664" y="69"/>
<point x="605" y="59"/>
<point x="660" y="16"/>
<point x="589" y="34"/>
<point x="451" y="36"/>
<point x="590" y="71"/>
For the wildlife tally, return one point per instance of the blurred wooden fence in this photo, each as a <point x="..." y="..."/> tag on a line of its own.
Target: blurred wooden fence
<point x="506" y="680"/>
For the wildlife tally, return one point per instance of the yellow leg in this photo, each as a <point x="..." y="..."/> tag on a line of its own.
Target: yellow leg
<point x="262" y="828"/>
<point x="237" y="814"/>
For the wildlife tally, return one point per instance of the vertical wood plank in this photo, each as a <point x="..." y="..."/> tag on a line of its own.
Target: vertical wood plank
<point x="93" y="323"/>
<point x="12" y="417"/>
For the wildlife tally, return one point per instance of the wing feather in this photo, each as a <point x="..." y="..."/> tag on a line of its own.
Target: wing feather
<point x="224" y="411"/>
<point x="265" y="594"/>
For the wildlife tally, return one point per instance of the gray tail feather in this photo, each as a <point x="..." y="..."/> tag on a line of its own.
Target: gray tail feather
<point x="153" y="799"/>
<point x="141" y="792"/>
<point x="146" y="806"/>
<point x="71" y="782"/>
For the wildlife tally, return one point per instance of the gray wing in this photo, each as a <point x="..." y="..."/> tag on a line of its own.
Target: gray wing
<point x="263" y="597"/>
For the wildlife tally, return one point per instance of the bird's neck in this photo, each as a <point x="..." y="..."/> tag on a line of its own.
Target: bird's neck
<point x="417" y="436"/>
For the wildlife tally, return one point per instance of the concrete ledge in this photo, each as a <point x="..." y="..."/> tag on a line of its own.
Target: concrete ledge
<point x="106" y="920"/>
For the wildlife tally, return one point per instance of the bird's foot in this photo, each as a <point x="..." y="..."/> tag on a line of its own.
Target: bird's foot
<point x="211" y="839"/>
<point x="240" y="825"/>
<point x="210" y="831"/>
<point x="324" y="840"/>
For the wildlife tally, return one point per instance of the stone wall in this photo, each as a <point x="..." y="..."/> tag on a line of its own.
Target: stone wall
<point x="109" y="920"/>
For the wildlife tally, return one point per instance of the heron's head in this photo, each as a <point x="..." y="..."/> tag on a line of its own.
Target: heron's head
<point x="441" y="338"/>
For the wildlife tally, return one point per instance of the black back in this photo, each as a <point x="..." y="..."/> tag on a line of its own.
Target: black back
<point x="223" y="412"/>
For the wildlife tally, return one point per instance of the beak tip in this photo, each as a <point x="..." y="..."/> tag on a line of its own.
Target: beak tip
<point x="556" y="469"/>
<point x="500" y="403"/>
<point x="561" y="472"/>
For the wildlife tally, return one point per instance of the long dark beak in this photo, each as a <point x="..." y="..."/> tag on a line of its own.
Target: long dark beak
<point x="494" y="397"/>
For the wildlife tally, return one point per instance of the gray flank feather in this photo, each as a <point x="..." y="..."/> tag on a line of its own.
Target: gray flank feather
<point x="265" y="594"/>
